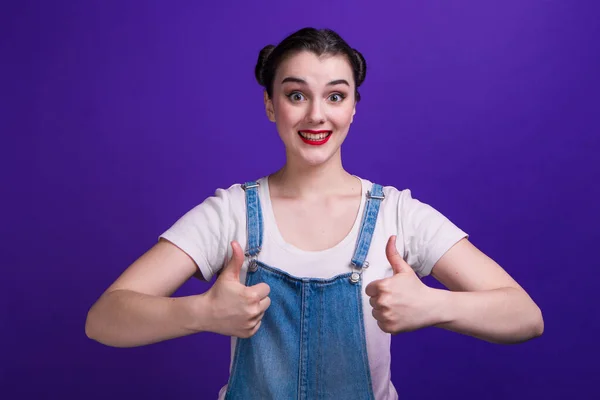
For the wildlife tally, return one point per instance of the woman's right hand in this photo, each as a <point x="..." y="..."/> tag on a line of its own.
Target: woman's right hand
<point x="233" y="308"/>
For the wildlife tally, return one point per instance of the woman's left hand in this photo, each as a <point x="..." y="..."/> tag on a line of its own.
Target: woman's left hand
<point x="402" y="302"/>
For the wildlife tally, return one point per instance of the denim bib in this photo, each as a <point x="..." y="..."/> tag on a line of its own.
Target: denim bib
<point x="311" y="342"/>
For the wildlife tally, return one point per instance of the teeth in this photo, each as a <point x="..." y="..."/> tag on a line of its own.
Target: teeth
<point x="314" y="136"/>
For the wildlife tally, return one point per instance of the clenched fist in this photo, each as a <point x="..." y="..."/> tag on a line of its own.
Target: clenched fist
<point x="233" y="308"/>
<point x="402" y="302"/>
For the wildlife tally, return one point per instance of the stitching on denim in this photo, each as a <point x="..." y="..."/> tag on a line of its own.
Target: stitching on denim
<point x="363" y="339"/>
<point x="368" y="225"/>
<point x="320" y="281"/>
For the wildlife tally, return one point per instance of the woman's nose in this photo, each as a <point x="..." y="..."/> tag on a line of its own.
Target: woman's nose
<point x="315" y="113"/>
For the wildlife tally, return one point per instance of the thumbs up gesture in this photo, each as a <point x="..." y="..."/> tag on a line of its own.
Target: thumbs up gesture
<point x="233" y="308"/>
<point x="402" y="302"/>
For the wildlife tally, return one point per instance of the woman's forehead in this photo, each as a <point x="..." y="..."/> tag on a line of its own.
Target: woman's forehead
<point x="315" y="69"/>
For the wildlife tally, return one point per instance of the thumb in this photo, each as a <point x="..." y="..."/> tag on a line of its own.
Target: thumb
<point x="234" y="266"/>
<point x="398" y="264"/>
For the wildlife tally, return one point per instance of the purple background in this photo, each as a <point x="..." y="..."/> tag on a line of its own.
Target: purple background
<point x="118" y="117"/>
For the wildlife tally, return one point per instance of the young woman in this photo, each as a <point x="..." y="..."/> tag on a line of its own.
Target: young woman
<point x="316" y="267"/>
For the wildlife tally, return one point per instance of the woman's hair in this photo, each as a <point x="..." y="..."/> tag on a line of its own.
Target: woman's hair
<point x="319" y="42"/>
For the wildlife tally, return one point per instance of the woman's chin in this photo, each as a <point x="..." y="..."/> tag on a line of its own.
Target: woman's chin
<point x="315" y="158"/>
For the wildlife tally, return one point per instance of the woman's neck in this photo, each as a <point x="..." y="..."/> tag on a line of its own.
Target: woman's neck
<point x="302" y="181"/>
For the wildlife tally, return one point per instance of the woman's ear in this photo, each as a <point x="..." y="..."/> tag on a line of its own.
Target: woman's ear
<point x="270" y="110"/>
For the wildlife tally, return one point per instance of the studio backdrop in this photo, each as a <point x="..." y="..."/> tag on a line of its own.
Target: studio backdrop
<point x="118" y="117"/>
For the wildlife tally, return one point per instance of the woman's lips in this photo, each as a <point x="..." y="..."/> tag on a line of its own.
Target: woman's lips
<point x="310" y="131"/>
<point x="315" y="138"/>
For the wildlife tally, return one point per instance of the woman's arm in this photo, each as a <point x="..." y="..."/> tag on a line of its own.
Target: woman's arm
<point x="483" y="301"/>
<point x="136" y="309"/>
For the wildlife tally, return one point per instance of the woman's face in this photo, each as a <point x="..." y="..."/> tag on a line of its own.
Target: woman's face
<point x="313" y="105"/>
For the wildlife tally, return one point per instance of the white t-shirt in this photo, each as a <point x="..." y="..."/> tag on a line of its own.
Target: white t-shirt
<point x="423" y="236"/>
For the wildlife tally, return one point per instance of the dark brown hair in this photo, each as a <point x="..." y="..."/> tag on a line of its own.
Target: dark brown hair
<point x="321" y="41"/>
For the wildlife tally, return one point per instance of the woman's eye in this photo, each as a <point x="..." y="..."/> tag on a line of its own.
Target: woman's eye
<point x="296" y="96"/>
<point x="336" y="97"/>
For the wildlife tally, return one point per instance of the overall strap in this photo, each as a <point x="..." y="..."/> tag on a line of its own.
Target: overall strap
<point x="254" y="220"/>
<point x="374" y="198"/>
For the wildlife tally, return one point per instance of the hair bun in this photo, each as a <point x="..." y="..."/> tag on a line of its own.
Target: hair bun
<point x="361" y="64"/>
<point x="263" y="57"/>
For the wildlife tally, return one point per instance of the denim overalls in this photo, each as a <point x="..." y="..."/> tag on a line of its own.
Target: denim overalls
<point x="311" y="343"/>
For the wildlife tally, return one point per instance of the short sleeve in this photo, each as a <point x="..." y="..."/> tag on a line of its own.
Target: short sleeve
<point x="427" y="234"/>
<point x="202" y="233"/>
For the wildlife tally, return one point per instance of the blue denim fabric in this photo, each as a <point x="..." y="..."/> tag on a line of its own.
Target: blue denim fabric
<point x="254" y="220"/>
<point x="311" y="343"/>
<point x="368" y="227"/>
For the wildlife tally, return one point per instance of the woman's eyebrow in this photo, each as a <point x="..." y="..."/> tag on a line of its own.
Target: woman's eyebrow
<point x="303" y="82"/>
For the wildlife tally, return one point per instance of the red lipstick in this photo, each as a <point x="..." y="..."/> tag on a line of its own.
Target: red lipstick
<point x="310" y="131"/>
<point x="318" y="142"/>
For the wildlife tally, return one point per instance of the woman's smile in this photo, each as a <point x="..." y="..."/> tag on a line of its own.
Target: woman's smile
<point x="315" y="138"/>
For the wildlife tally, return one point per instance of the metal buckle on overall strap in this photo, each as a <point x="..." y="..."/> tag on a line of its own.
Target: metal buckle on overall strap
<point x="371" y="196"/>
<point x="253" y="261"/>
<point x="355" y="276"/>
<point x="245" y="186"/>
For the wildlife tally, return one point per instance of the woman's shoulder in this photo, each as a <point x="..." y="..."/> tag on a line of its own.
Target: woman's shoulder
<point x="392" y="193"/>
<point x="399" y="202"/>
<point x="233" y="194"/>
<point x="235" y="189"/>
